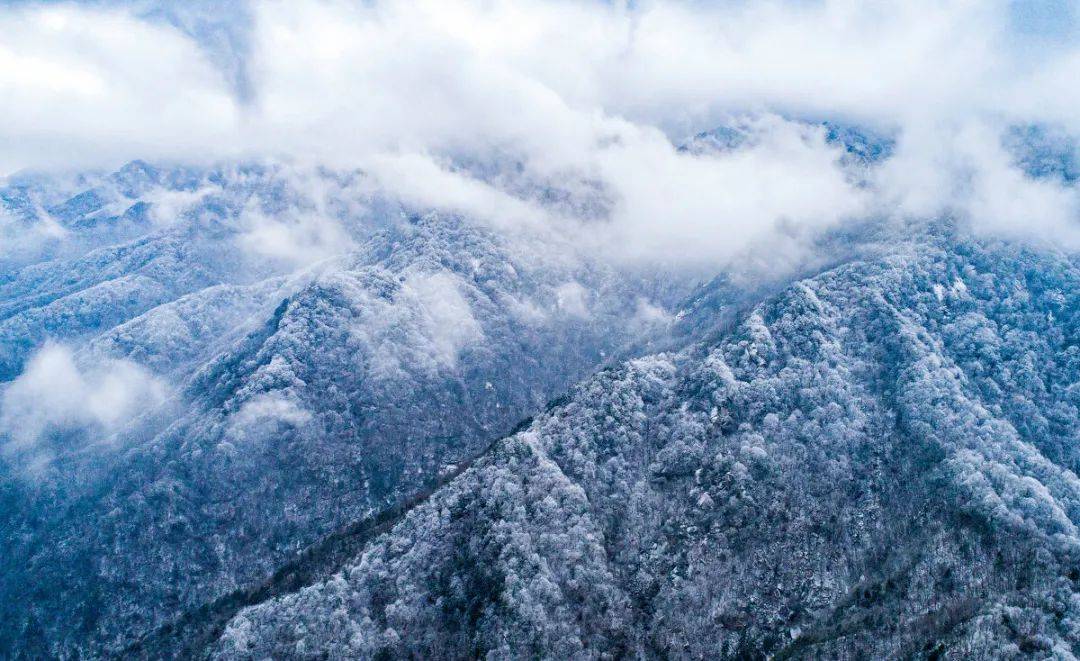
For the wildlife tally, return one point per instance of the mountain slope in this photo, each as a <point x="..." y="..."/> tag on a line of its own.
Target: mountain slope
<point x="879" y="460"/>
<point x="375" y="373"/>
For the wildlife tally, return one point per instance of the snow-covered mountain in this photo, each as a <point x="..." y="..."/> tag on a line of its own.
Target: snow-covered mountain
<point x="265" y="411"/>
<point x="296" y="400"/>
<point x="877" y="461"/>
<point x="545" y="329"/>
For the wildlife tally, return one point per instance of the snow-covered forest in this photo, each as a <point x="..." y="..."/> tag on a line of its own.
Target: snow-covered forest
<point x="547" y="329"/>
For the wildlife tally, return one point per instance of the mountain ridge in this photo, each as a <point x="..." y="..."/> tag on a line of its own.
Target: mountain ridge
<point x="946" y="521"/>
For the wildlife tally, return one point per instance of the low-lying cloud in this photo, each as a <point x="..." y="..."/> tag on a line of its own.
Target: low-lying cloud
<point x="967" y="170"/>
<point x="587" y="97"/>
<point x="266" y="414"/>
<point x="56" y="397"/>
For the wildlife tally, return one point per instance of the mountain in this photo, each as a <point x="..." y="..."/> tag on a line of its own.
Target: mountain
<point x="861" y="146"/>
<point x="557" y="329"/>
<point x="263" y="411"/>
<point x="299" y="400"/>
<point x="879" y="460"/>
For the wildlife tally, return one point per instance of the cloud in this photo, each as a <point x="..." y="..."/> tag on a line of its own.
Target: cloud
<point x="22" y="239"/>
<point x="447" y="316"/>
<point x="87" y="86"/>
<point x="964" y="169"/>
<point x="576" y="96"/>
<point x="265" y="414"/>
<point x="649" y="315"/>
<point x="712" y="206"/>
<point x="573" y="299"/>
<point x="56" y="397"/>
<point x="425" y="326"/>
<point x="296" y="239"/>
<point x="548" y="75"/>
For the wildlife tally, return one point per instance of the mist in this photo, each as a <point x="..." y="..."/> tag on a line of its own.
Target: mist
<point x="588" y="98"/>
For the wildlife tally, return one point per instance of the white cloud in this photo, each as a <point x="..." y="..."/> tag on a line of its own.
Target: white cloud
<point x="447" y="316"/>
<point x="573" y="299"/>
<point x="304" y="216"/>
<point x="168" y="205"/>
<point x="87" y="86"/>
<point x="713" y="206"/>
<point x="649" y="315"/>
<point x="425" y="326"/>
<point x="420" y="180"/>
<point x="572" y="90"/>
<point x="55" y="395"/>
<point x="296" y="239"/>
<point x="962" y="168"/>
<point x="264" y="414"/>
<point x="19" y="238"/>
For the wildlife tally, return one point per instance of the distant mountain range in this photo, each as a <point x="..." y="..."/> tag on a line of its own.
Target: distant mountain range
<point x="298" y="418"/>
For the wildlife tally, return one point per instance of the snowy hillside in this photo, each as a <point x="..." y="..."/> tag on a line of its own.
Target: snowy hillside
<point x="279" y="410"/>
<point x="879" y="460"/>
<point x="539" y="329"/>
